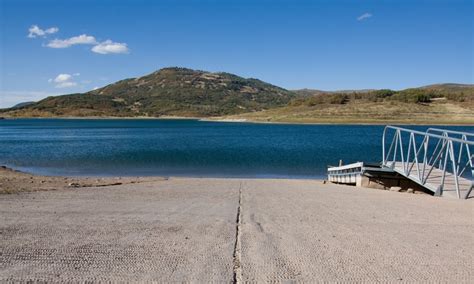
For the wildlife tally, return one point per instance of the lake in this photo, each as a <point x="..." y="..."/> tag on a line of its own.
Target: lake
<point x="144" y="147"/>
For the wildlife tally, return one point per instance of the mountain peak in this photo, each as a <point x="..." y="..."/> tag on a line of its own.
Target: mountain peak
<point x="169" y="91"/>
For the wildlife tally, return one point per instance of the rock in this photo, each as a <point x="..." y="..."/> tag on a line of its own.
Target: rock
<point x="74" y="184"/>
<point x="395" y="188"/>
<point x="410" y="190"/>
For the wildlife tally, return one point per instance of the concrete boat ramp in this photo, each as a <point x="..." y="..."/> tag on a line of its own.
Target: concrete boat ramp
<point x="437" y="161"/>
<point x="184" y="230"/>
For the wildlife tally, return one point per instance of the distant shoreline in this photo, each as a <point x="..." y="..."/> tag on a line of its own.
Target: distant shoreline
<point x="336" y="123"/>
<point x="243" y="120"/>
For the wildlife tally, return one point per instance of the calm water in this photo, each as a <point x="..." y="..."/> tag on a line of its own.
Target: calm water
<point x="184" y="147"/>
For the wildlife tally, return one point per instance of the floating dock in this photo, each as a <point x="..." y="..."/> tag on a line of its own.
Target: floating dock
<point x="355" y="174"/>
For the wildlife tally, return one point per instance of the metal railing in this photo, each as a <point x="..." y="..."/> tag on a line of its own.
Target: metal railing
<point x="427" y="154"/>
<point x="451" y="133"/>
<point x="351" y="169"/>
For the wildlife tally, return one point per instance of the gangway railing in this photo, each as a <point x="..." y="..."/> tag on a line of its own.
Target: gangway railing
<point x="438" y="159"/>
<point x="451" y="133"/>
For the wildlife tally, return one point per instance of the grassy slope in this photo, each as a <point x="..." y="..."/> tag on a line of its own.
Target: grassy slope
<point x="436" y="112"/>
<point x="434" y="104"/>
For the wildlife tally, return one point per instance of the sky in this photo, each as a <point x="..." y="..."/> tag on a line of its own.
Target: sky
<point x="61" y="47"/>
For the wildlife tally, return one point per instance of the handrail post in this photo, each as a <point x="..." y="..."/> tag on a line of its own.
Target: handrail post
<point x="427" y="141"/>
<point x="455" y="168"/>
<point x="401" y="150"/>
<point x="383" y="146"/>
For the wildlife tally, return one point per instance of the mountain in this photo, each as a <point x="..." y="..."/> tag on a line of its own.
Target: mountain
<point x="441" y="89"/>
<point x="166" y="92"/>
<point x="23" y="104"/>
<point x="449" y="87"/>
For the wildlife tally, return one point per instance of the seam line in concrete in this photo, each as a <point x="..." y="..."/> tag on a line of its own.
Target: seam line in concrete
<point x="237" y="246"/>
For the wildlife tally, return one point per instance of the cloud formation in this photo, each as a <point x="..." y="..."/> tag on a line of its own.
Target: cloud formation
<point x="35" y="31"/>
<point x="109" y="46"/>
<point x="104" y="47"/>
<point x="64" y="43"/>
<point x="64" y="80"/>
<point x="364" y="16"/>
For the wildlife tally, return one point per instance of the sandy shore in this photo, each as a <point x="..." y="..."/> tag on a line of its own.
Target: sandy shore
<point x="221" y="230"/>
<point x="12" y="181"/>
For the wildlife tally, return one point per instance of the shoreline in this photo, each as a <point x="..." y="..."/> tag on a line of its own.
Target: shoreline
<point x="243" y="120"/>
<point x="15" y="180"/>
<point x="336" y="123"/>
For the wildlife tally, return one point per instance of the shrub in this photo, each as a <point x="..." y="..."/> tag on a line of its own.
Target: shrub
<point x="413" y="96"/>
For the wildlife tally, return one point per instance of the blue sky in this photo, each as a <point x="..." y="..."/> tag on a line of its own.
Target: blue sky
<point x="60" y="47"/>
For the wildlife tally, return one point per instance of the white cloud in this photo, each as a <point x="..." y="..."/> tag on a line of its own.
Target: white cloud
<point x="64" y="43"/>
<point x="109" y="46"/>
<point x="62" y="78"/>
<point x="63" y="81"/>
<point x="364" y="16"/>
<point x="11" y="98"/>
<point x="105" y="47"/>
<point x="35" y="31"/>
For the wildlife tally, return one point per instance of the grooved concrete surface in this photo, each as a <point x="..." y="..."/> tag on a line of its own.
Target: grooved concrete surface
<point x="347" y="234"/>
<point x="176" y="230"/>
<point x="184" y="229"/>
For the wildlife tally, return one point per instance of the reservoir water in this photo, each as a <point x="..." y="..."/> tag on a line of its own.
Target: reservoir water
<point x="135" y="147"/>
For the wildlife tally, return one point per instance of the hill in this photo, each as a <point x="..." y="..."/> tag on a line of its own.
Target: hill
<point x="167" y="92"/>
<point x="23" y="104"/>
<point x="434" y="104"/>
<point x="192" y="93"/>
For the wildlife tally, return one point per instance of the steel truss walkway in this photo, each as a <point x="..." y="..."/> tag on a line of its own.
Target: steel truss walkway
<point x="439" y="160"/>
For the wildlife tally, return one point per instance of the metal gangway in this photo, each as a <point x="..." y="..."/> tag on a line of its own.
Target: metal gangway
<point x="440" y="160"/>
